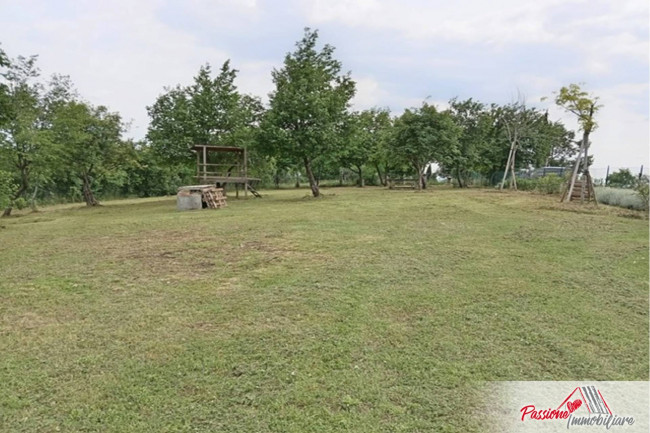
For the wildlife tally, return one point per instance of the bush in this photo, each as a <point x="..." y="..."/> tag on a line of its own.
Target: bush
<point x="7" y="188"/>
<point x="550" y="184"/>
<point x="642" y="190"/>
<point x="625" y="198"/>
<point x="526" y="184"/>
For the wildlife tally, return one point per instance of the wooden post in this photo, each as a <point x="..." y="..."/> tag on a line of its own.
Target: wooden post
<point x="198" y="165"/>
<point x="505" y="174"/>
<point x="245" y="175"/>
<point x="641" y="172"/>
<point x="514" y="175"/>
<point x="607" y="176"/>
<point x="205" y="163"/>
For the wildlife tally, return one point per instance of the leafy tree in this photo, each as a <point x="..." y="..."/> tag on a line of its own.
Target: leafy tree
<point x="22" y="136"/>
<point x="4" y="89"/>
<point x="642" y="190"/>
<point x="308" y="108"/>
<point x="426" y="135"/>
<point x="170" y="129"/>
<point x="362" y="136"/>
<point x="476" y="124"/>
<point x="622" y="179"/>
<point x="7" y="188"/>
<point x="557" y="146"/>
<point x="93" y="146"/>
<point x="518" y="121"/>
<point x="210" y="111"/>
<point x="585" y="106"/>
<point x="381" y="138"/>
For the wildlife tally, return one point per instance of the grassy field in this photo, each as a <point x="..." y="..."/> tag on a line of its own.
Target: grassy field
<point x="365" y="311"/>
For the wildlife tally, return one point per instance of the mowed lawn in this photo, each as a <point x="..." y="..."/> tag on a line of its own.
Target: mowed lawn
<point x="366" y="311"/>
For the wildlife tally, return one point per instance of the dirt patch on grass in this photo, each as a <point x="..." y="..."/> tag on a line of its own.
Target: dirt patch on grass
<point x="192" y="254"/>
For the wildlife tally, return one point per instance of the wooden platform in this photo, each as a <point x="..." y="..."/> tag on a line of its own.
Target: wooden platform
<point x="227" y="179"/>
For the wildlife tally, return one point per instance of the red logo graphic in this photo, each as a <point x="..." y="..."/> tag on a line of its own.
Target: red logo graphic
<point x="592" y="399"/>
<point x="585" y="405"/>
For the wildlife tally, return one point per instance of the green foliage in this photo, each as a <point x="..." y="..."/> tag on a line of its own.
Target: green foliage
<point x="365" y="138"/>
<point x="20" y="203"/>
<point x="424" y="135"/>
<point x="23" y="135"/>
<point x="642" y="190"/>
<point x="550" y="184"/>
<point x="308" y="108"/>
<point x="7" y="188"/>
<point x="579" y="102"/>
<point x="210" y="111"/>
<point x="476" y="123"/>
<point x="622" y="179"/>
<point x="625" y="198"/>
<point x="91" y="145"/>
<point x="4" y="90"/>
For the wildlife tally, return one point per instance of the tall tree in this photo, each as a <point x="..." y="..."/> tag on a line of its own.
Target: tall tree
<point x="22" y="136"/>
<point x="210" y="111"/>
<point x="476" y="124"/>
<point x="92" y="137"/>
<point x="380" y="138"/>
<point x="426" y="135"/>
<point x="518" y="121"/>
<point x="364" y="134"/>
<point x="308" y="108"/>
<point x="585" y="106"/>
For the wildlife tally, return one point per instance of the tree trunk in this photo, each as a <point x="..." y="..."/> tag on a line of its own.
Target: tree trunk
<point x="310" y="176"/>
<point x="381" y="179"/>
<point x="360" y="173"/>
<point x="459" y="178"/>
<point x="88" y="192"/>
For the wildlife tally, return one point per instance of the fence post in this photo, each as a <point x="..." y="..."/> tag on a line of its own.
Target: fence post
<point x="607" y="176"/>
<point x="641" y="172"/>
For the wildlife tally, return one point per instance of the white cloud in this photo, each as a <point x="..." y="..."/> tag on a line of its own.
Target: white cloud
<point x="118" y="54"/>
<point x="369" y="94"/>
<point x="622" y="136"/>
<point x="122" y="53"/>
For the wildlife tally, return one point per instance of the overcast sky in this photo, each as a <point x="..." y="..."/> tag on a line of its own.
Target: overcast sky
<point x="122" y="53"/>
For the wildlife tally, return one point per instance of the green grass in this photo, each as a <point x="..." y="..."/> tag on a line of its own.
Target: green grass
<point x="367" y="310"/>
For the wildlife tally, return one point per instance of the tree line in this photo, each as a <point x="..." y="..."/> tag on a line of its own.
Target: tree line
<point x="54" y="145"/>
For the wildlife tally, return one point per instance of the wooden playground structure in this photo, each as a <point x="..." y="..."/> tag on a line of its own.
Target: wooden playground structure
<point x="221" y="165"/>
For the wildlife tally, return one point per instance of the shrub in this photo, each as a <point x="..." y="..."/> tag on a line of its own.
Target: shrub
<point x="625" y="198"/>
<point x="526" y="184"/>
<point x="551" y="184"/>
<point x="622" y="179"/>
<point x="642" y="190"/>
<point x="7" y="188"/>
